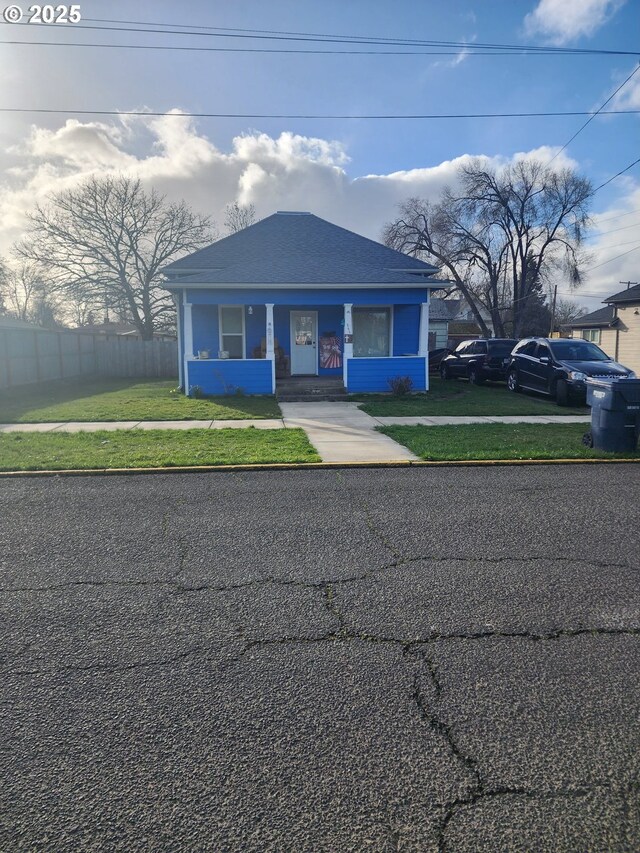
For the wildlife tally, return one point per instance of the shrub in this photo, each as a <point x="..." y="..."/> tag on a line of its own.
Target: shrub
<point x="400" y="385"/>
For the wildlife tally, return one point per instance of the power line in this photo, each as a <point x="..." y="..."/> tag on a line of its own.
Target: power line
<point x="271" y="36"/>
<point x="617" y="175"/>
<point x="615" y="258"/>
<point x="360" y="39"/>
<point x="268" y="50"/>
<point x="591" y="118"/>
<point x="628" y="243"/>
<point x="612" y="231"/>
<point x="619" y="215"/>
<point x="153" y="114"/>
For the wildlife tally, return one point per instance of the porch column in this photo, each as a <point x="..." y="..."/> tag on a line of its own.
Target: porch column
<point x="423" y="340"/>
<point x="348" y="340"/>
<point x="176" y="302"/>
<point x="270" y="349"/>
<point x="188" y="341"/>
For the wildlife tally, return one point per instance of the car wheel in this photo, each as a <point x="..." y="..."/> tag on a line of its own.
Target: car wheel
<point x="512" y="381"/>
<point x="562" y="393"/>
<point x="474" y="376"/>
<point x="444" y="372"/>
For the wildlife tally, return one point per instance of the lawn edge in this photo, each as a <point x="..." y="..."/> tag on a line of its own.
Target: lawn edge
<point x="298" y="466"/>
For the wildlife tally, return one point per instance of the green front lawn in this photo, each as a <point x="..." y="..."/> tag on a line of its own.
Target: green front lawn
<point x="459" y="397"/>
<point x="21" y="451"/>
<point x="100" y="399"/>
<point x="497" y="441"/>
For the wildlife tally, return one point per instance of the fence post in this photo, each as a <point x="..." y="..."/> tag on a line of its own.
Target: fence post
<point x="36" y="350"/>
<point x="6" y="352"/>
<point x="60" y="357"/>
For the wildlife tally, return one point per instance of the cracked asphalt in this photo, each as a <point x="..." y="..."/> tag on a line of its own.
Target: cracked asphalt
<point x="439" y="660"/>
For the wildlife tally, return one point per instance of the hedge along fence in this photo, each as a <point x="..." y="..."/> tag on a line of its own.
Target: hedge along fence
<point x="41" y="355"/>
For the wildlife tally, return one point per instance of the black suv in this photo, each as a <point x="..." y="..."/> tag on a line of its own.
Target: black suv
<point x="479" y="359"/>
<point x="559" y="367"/>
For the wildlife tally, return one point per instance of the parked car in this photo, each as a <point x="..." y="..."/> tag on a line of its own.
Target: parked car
<point x="436" y="356"/>
<point x="559" y="367"/>
<point x="479" y="359"/>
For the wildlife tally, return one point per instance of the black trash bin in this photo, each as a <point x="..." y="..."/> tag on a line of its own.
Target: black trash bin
<point x="615" y="413"/>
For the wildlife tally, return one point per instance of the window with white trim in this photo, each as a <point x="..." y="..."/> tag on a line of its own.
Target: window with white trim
<point x="232" y="330"/>
<point x="371" y="332"/>
<point x="592" y="335"/>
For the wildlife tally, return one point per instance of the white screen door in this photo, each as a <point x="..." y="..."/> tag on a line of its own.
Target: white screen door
<point x="304" y="343"/>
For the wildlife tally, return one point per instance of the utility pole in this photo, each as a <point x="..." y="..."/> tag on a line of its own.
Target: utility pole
<point x="553" y="310"/>
<point x="628" y="283"/>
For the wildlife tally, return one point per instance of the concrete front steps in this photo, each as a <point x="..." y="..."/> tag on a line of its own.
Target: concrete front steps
<point x="310" y="389"/>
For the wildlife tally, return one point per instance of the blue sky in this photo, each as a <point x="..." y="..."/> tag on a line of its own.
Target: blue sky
<point x="321" y="165"/>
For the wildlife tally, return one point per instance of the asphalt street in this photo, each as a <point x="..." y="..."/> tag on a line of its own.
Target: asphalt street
<point x="334" y="660"/>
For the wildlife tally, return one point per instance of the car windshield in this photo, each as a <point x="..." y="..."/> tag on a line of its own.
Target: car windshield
<point x="501" y="347"/>
<point x="574" y="350"/>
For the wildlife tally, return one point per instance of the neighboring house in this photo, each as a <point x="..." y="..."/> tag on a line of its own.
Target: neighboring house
<point x="440" y="314"/>
<point x="295" y="295"/>
<point x="121" y="329"/>
<point x="12" y="323"/>
<point x="615" y="328"/>
<point x="462" y="322"/>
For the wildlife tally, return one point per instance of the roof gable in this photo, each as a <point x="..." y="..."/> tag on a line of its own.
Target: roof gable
<point x="630" y="294"/>
<point x="601" y="317"/>
<point x="291" y="248"/>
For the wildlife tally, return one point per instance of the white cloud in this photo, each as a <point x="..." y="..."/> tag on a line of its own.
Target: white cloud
<point x="288" y="172"/>
<point x="616" y="232"/>
<point x="629" y="97"/>
<point x="562" y="21"/>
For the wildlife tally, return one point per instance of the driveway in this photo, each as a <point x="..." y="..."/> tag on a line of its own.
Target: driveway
<point x="322" y="661"/>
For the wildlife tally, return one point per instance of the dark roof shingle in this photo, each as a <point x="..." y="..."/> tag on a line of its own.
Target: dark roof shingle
<point x="297" y="248"/>
<point x="601" y="317"/>
<point x="630" y="294"/>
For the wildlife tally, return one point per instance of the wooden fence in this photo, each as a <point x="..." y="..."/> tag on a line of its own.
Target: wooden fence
<point x="41" y="355"/>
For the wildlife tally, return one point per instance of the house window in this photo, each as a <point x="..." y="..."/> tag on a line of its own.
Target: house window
<point x="592" y="335"/>
<point x="371" y="332"/>
<point x="232" y="330"/>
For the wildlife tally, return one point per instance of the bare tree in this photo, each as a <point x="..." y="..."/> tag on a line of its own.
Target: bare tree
<point x="239" y="216"/>
<point x="500" y="235"/>
<point x="29" y="295"/>
<point x="567" y="311"/>
<point x="106" y="243"/>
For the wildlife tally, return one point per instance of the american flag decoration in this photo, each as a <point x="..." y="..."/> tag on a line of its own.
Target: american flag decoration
<point x="330" y="352"/>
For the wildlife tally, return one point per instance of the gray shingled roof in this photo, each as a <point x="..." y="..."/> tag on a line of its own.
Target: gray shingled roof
<point x="601" y="317"/>
<point x="630" y="294"/>
<point x="298" y="248"/>
<point x="7" y="322"/>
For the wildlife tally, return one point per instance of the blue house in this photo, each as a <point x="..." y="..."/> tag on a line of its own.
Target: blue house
<point x="295" y="295"/>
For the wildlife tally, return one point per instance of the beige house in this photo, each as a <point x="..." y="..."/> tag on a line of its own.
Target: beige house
<point x="616" y="328"/>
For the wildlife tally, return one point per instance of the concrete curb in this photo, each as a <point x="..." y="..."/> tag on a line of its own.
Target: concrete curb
<point x="305" y="466"/>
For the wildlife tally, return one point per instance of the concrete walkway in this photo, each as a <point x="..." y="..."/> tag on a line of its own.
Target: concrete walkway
<point x="340" y="432"/>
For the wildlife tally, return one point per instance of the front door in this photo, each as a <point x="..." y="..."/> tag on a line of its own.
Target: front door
<point x="304" y="343"/>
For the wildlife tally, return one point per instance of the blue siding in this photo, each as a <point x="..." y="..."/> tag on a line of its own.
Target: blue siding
<point x="205" y="329"/>
<point x="225" y="376"/>
<point x="406" y="329"/>
<point x="370" y="375"/>
<point x="305" y="297"/>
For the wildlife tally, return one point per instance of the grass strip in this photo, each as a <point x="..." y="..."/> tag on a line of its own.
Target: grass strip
<point x="152" y="448"/>
<point x="453" y="397"/>
<point x="498" y="441"/>
<point x="99" y="399"/>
